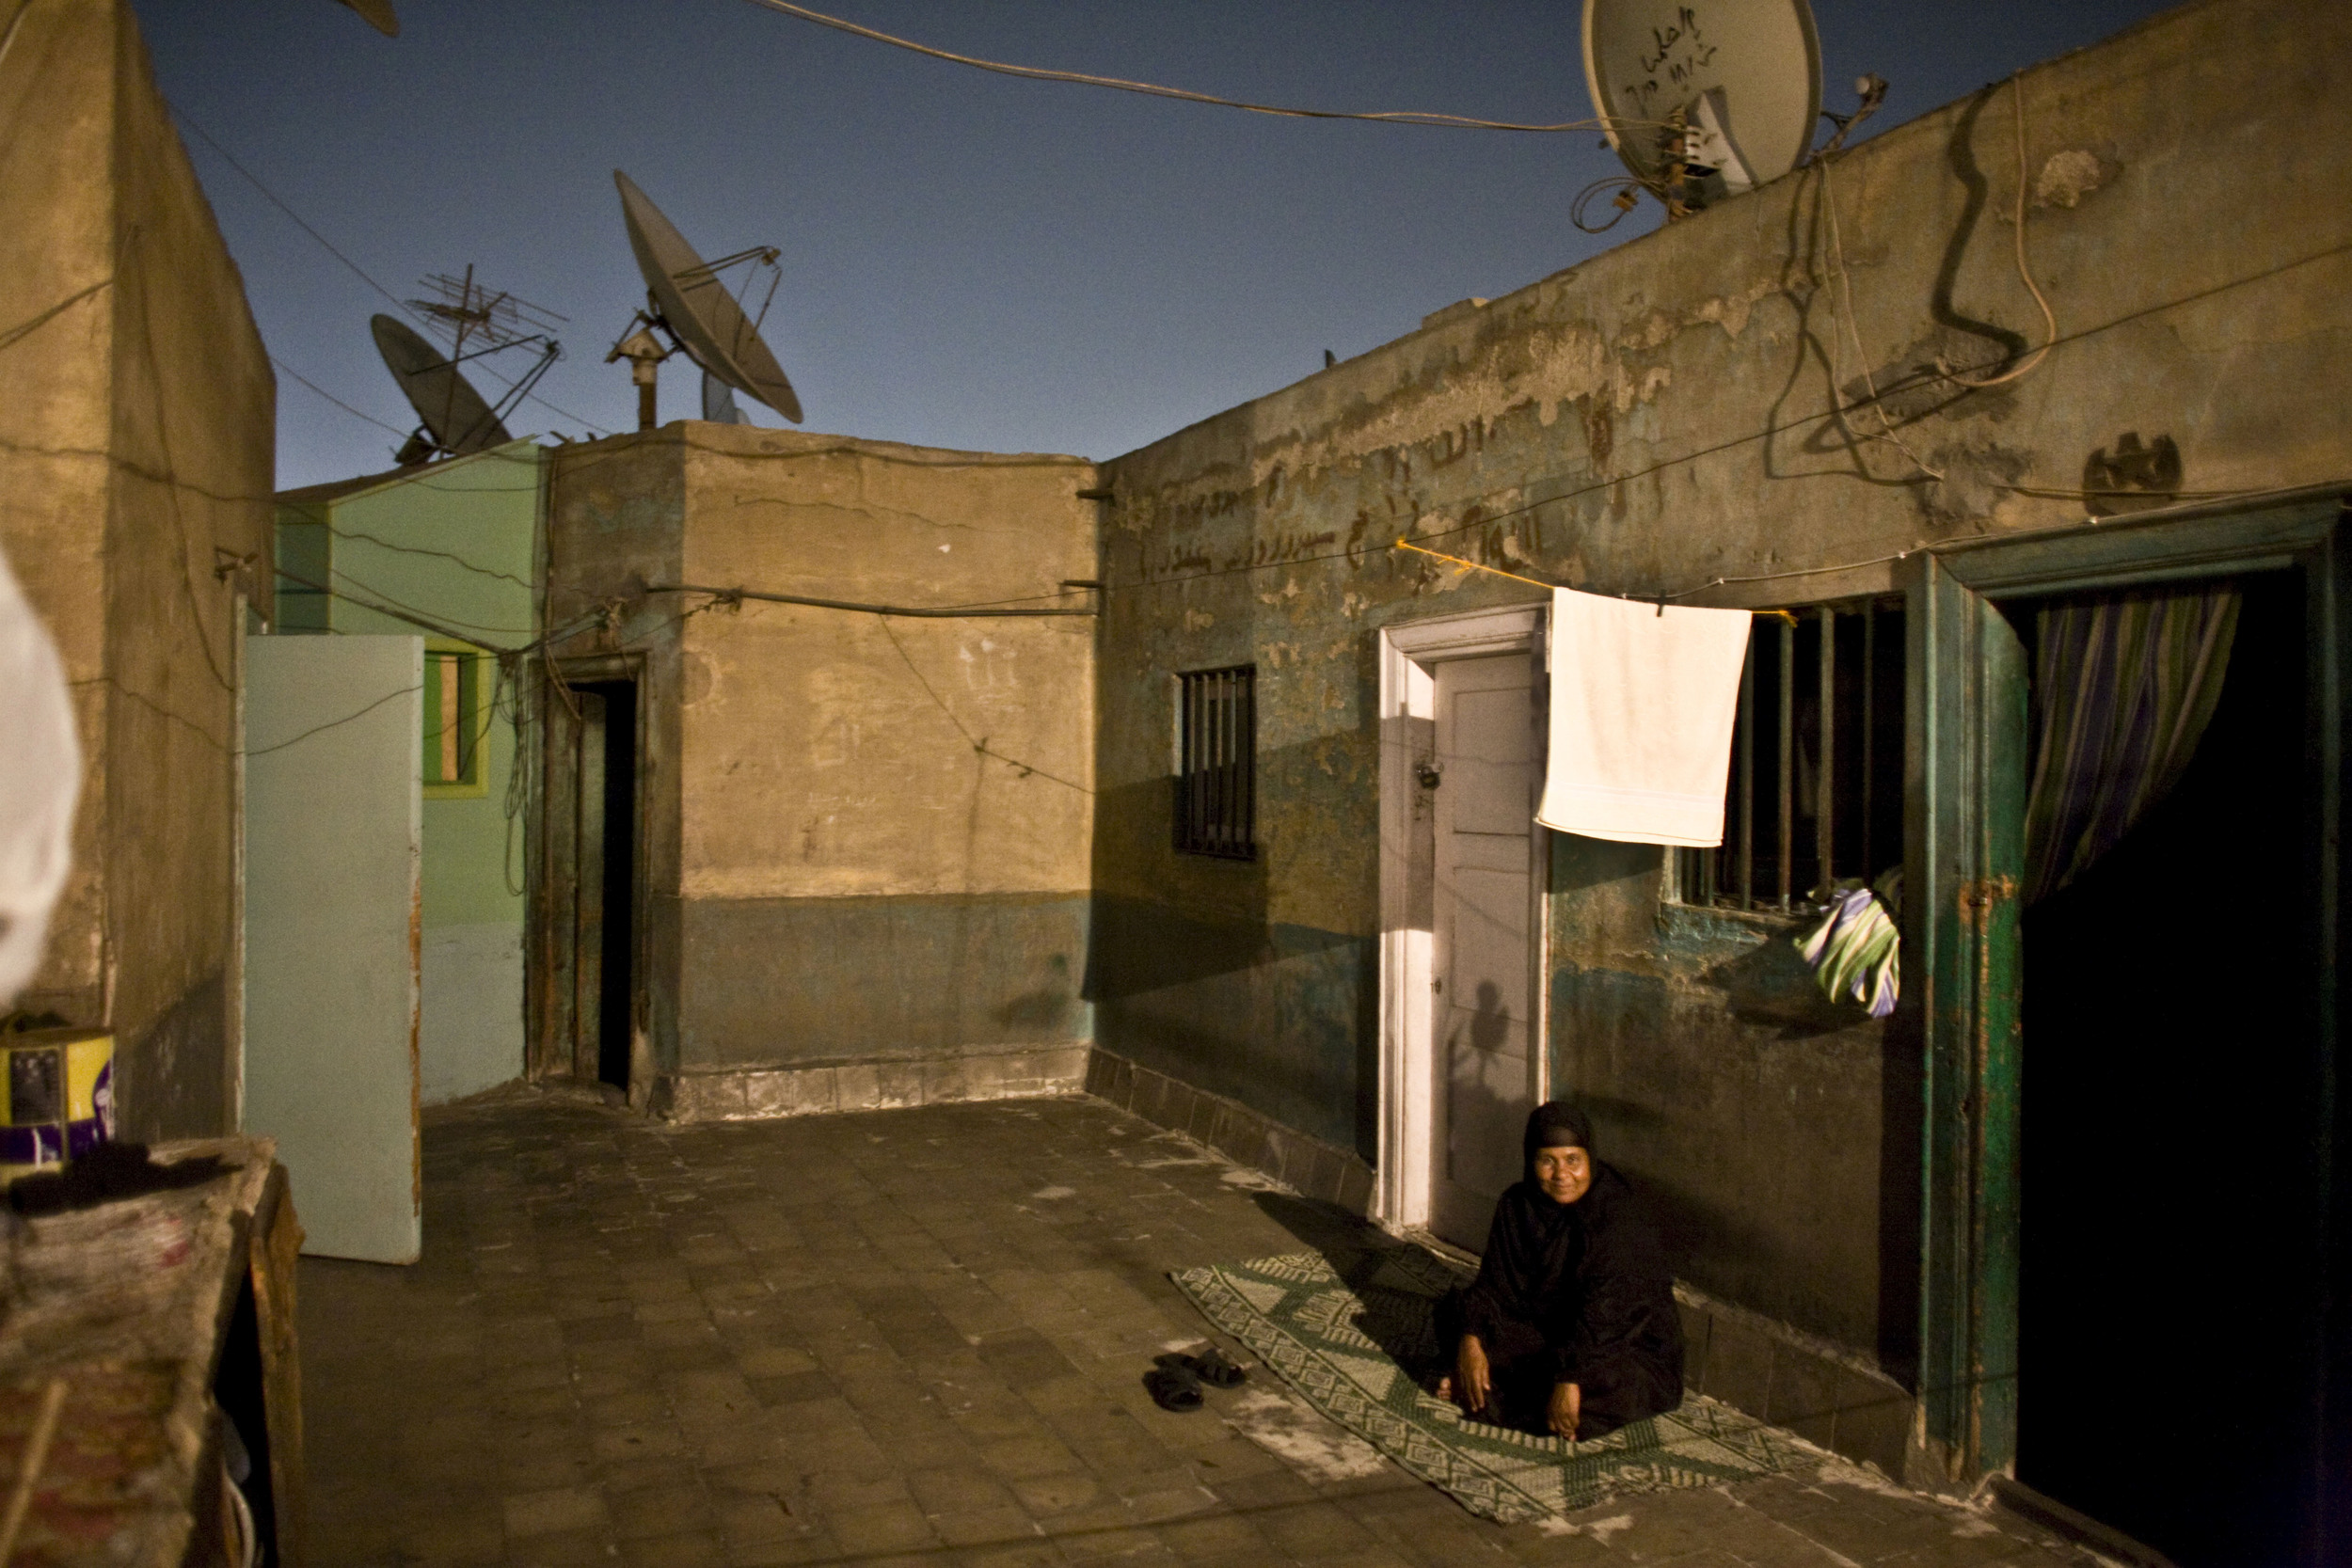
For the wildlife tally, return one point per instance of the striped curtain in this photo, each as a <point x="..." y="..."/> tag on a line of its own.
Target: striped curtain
<point x="2122" y="690"/>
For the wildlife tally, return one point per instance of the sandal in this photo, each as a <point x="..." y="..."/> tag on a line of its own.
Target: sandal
<point x="1210" y="1366"/>
<point x="1173" y="1389"/>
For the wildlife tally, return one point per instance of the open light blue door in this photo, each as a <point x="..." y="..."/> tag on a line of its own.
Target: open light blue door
<point x="334" y="833"/>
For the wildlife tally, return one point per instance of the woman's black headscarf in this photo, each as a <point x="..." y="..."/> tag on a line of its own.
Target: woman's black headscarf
<point x="1556" y="1124"/>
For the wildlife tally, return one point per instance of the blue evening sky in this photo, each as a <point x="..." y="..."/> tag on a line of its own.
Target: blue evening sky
<point x="968" y="261"/>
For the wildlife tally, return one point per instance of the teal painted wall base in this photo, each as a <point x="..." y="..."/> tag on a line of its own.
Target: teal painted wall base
<point x="1280" y="1019"/>
<point x="823" y="1089"/>
<point x="778" y="982"/>
<point x="1309" y="1167"/>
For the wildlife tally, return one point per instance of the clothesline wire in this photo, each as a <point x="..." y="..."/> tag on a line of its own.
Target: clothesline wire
<point x="1039" y="73"/>
<point x="1479" y="566"/>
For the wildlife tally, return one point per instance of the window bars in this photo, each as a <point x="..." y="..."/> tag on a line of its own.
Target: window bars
<point x="1216" y="764"/>
<point x="1817" y="762"/>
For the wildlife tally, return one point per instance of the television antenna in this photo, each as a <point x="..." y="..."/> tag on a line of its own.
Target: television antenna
<point x="474" y="321"/>
<point x="687" y="304"/>
<point x="1703" y="99"/>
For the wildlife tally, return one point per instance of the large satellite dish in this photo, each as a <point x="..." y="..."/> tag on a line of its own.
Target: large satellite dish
<point x="690" y="303"/>
<point x="1712" y="96"/>
<point x="457" y="420"/>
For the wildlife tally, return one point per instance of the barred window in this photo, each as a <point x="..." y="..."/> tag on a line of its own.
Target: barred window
<point x="1816" y="791"/>
<point x="1217" y="776"/>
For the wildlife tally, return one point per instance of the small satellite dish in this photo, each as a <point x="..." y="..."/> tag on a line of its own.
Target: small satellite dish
<point x="1714" y="97"/>
<point x="719" y="403"/>
<point x="457" y="420"/>
<point x="477" y="321"/>
<point x="697" y="310"/>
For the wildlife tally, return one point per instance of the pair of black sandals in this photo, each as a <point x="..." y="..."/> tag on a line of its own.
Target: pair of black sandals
<point x="1177" y="1381"/>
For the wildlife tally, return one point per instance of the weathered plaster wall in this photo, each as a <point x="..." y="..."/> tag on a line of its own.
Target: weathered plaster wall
<point x="886" y="821"/>
<point x="135" y="447"/>
<point x="1689" y="407"/>
<point x="868" y="838"/>
<point x="458" y="544"/>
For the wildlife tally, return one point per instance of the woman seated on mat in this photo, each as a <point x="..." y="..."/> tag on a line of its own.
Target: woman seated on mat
<point x="1570" y="1327"/>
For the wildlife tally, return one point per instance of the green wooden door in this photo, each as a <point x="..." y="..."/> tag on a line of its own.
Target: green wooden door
<point x="1968" y="707"/>
<point x="1970" y="752"/>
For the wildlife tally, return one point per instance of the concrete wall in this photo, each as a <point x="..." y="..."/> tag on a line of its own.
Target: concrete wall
<point x="135" y="447"/>
<point x="883" y="825"/>
<point x="1660" y="417"/>
<point x="458" y="544"/>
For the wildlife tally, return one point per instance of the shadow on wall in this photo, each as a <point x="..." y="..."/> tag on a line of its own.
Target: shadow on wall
<point x="1196" y="982"/>
<point x="1758" y="1121"/>
<point x="1770" y="986"/>
<point x="1278" y="1017"/>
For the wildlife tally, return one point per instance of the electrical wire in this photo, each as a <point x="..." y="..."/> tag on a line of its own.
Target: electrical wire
<point x="417" y="549"/>
<point x="1037" y="73"/>
<point x="1623" y="185"/>
<point x="34" y="323"/>
<point x="1714" y="449"/>
<point x="1876" y="401"/>
<point x="978" y="743"/>
<point x="336" y="400"/>
<point x="2049" y="318"/>
<point x="357" y="271"/>
<point x="736" y="596"/>
<point x="332" y="724"/>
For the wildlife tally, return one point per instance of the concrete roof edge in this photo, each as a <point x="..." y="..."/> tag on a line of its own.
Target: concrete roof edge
<point x="1874" y="146"/>
<point x="363" y="484"/>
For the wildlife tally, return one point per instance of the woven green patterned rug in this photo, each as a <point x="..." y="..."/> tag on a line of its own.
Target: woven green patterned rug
<point x="1343" y="1331"/>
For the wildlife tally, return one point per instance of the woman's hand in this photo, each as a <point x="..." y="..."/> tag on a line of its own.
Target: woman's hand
<point x="1471" y="1381"/>
<point x="1567" y="1405"/>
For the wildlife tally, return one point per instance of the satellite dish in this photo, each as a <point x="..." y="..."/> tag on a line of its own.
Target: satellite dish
<point x="695" y="308"/>
<point x="379" y="15"/>
<point x="719" y="403"/>
<point x="1719" y="96"/>
<point x="456" y="419"/>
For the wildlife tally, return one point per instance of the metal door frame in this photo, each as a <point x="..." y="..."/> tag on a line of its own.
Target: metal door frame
<point x="1969" y="747"/>
<point x="554" y="1028"/>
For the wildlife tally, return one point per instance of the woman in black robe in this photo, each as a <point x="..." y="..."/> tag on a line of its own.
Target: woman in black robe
<point x="1570" y="1327"/>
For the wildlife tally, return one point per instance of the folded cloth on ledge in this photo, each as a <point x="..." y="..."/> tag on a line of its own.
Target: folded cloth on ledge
<point x="1642" y="706"/>
<point x="1856" y="951"/>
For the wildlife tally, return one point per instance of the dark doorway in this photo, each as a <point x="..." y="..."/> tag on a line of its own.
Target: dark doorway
<point x="605" y="929"/>
<point x="2171" y="1292"/>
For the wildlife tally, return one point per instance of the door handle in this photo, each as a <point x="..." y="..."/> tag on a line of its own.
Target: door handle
<point x="1428" y="774"/>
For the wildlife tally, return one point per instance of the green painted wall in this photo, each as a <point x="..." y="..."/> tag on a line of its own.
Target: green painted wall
<point x="455" y="544"/>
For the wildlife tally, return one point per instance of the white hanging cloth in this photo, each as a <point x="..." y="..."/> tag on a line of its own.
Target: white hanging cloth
<point x="41" y="774"/>
<point x="1643" y="701"/>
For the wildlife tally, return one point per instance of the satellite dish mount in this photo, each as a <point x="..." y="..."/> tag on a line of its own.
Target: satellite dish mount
<point x="688" y="305"/>
<point x="474" y="321"/>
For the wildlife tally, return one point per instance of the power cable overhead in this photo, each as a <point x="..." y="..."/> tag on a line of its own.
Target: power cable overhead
<point x="357" y="271"/>
<point x="1080" y="78"/>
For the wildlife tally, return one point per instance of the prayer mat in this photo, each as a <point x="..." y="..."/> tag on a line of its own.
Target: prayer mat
<point x="1350" y="1332"/>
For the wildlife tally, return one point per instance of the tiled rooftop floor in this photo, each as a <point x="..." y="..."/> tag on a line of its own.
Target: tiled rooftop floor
<point x="904" y="1338"/>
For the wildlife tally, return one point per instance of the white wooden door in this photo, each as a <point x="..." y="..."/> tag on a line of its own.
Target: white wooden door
<point x="334" y="832"/>
<point x="1482" y="971"/>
